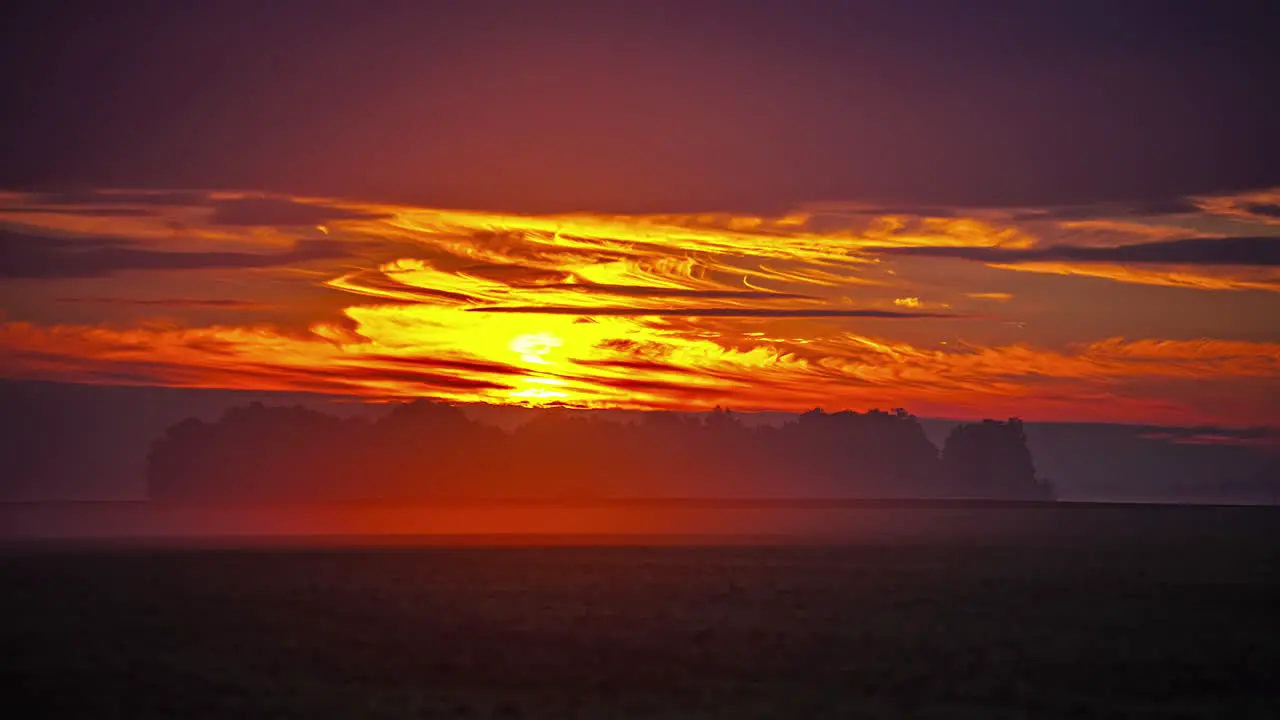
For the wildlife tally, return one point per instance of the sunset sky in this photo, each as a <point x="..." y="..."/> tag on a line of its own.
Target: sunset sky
<point x="965" y="210"/>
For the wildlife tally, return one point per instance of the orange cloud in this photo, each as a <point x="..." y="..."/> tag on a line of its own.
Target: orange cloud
<point x="671" y="311"/>
<point x="1167" y="276"/>
<point x="620" y="362"/>
<point x="1260" y="206"/>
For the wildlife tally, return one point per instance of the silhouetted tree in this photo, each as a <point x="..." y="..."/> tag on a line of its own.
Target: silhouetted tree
<point x="875" y="453"/>
<point x="427" y="449"/>
<point x="991" y="459"/>
<point x="257" y="452"/>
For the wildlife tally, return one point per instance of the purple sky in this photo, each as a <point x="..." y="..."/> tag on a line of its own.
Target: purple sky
<point x="645" y="105"/>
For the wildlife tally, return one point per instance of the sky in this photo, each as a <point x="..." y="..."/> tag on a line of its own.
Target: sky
<point x="1059" y="212"/>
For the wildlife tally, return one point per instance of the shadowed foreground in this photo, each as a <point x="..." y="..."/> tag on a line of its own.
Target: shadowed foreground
<point x="1180" y="622"/>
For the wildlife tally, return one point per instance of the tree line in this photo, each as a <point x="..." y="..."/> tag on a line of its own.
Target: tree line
<point x="430" y="450"/>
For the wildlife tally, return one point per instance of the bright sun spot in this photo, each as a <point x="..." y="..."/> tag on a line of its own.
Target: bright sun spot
<point x="534" y="347"/>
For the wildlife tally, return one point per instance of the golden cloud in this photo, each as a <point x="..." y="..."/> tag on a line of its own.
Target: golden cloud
<point x="654" y="311"/>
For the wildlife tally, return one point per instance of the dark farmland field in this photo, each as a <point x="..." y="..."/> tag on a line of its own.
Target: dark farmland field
<point x="1152" y="612"/>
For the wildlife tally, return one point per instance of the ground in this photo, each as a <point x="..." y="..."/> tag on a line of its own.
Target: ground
<point x="1176" y="623"/>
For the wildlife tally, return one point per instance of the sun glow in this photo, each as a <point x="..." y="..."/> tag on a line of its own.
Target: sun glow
<point x="595" y="311"/>
<point x="535" y="347"/>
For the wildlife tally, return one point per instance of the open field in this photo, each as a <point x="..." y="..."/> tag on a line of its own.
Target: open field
<point x="1174" y="618"/>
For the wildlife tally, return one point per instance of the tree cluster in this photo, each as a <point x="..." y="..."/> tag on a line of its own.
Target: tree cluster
<point x="426" y="450"/>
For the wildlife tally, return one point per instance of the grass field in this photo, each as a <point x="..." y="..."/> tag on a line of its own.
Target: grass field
<point x="1183" y="621"/>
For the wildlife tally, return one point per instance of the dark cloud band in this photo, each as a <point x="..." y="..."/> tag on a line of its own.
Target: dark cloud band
<point x="35" y="256"/>
<point x="1256" y="251"/>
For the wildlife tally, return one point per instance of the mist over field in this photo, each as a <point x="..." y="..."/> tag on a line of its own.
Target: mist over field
<point x="91" y="443"/>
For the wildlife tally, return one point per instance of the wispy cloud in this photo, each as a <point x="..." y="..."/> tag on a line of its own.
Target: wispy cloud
<point x="708" y="312"/>
<point x="1251" y="251"/>
<point x="211" y="303"/>
<point x="282" y="212"/>
<point x="34" y="256"/>
<point x="1174" y="277"/>
<point x="665" y="371"/>
<point x="1248" y="262"/>
<point x="644" y="311"/>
